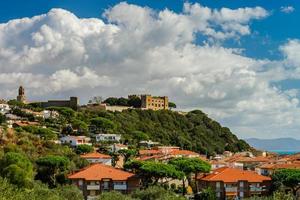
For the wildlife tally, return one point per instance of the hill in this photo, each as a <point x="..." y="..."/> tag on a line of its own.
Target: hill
<point x="193" y="131"/>
<point x="279" y="144"/>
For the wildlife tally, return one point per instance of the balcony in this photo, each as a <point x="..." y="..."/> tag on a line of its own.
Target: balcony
<point x="256" y="189"/>
<point x="231" y="189"/>
<point x="93" y="187"/>
<point x="120" y="187"/>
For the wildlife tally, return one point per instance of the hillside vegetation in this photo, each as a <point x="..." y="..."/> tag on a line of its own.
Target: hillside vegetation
<point x="193" y="131"/>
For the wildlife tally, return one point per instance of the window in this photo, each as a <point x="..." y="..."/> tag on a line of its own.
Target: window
<point x="218" y="185"/>
<point x="80" y="182"/>
<point x="241" y="194"/>
<point x="241" y="184"/>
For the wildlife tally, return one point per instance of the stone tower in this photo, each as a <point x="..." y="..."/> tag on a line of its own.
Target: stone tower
<point x="21" y="97"/>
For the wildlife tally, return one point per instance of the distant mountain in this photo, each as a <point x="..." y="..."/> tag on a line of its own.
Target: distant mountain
<point x="280" y="144"/>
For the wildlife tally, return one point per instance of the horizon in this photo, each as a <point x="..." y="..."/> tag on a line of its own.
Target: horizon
<point x="229" y="59"/>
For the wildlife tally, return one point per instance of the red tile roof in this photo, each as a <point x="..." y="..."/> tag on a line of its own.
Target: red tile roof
<point x="233" y="175"/>
<point x="281" y="166"/>
<point x="97" y="172"/>
<point x="95" y="155"/>
<point x="149" y="152"/>
<point x="183" y="152"/>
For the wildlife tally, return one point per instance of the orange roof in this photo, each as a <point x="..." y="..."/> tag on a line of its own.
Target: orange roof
<point x="254" y="159"/>
<point x="233" y="175"/>
<point x="95" y="155"/>
<point x="25" y="123"/>
<point x="281" y="166"/>
<point x="97" y="172"/>
<point x="183" y="152"/>
<point x="149" y="152"/>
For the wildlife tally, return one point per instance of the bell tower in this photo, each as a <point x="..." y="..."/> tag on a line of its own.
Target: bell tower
<point x="21" y="97"/>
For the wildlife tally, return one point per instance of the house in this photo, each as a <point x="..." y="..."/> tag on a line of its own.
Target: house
<point x="24" y="123"/>
<point x="165" y="153"/>
<point x="268" y="169"/>
<point x="117" y="147"/>
<point x="235" y="183"/>
<point x="148" y="144"/>
<point x="96" y="157"/>
<point x="4" y="108"/>
<point x="107" y="137"/>
<point x="50" y="114"/>
<point x="98" y="178"/>
<point x="74" y="141"/>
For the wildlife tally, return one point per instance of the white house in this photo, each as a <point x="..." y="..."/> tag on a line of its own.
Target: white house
<point x="96" y="157"/>
<point x="50" y="114"/>
<point x="74" y="141"/>
<point x="108" y="137"/>
<point x="4" y="108"/>
<point x="117" y="147"/>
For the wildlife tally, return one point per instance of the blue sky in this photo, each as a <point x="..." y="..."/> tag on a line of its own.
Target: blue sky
<point x="271" y="32"/>
<point x="242" y="67"/>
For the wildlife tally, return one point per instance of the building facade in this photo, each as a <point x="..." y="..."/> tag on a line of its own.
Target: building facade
<point x="21" y="95"/>
<point x="74" y="141"/>
<point x="72" y="103"/>
<point x="96" y="157"/>
<point x="230" y="183"/>
<point x="107" y="137"/>
<point x="154" y="103"/>
<point x="98" y="178"/>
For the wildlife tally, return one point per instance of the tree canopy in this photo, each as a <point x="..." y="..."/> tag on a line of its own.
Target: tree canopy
<point x="287" y="177"/>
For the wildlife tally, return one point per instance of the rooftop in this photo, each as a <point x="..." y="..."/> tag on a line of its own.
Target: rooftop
<point x="233" y="175"/>
<point x="97" y="172"/>
<point x="95" y="155"/>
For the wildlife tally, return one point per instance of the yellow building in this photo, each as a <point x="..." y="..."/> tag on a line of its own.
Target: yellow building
<point x="154" y="103"/>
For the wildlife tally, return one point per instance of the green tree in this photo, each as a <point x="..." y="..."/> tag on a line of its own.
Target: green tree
<point x="190" y="166"/>
<point x="127" y="154"/>
<point x="111" y="101"/>
<point x="84" y="148"/>
<point x="206" y="194"/>
<point x="66" y="192"/>
<point x="135" y="102"/>
<point x="122" y="101"/>
<point x="172" y="105"/>
<point x="151" y="172"/>
<point x="2" y="118"/>
<point x="287" y="177"/>
<point x="52" y="169"/>
<point x="81" y="126"/>
<point x="156" y="193"/>
<point x="113" y="195"/>
<point x="16" y="168"/>
<point x="103" y="123"/>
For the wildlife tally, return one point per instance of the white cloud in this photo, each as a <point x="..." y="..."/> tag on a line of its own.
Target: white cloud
<point x="287" y="9"/>
<point x="140" y="50"/>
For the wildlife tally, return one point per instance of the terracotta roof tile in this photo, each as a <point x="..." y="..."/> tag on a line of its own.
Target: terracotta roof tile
<point x="95" y="155"/>
<point x="233" y="175"/>
<point x="281" y="166"/>
<point x="97" y="172"/>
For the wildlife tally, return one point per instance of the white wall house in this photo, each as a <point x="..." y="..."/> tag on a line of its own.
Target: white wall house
<point x="108" y="137"/>
<point x="117" y="147"/>
<point x="4" y="108"/>
<point x="75" y="140"/>
<point x="96" y="157"/>
<point x="50" y="114"/>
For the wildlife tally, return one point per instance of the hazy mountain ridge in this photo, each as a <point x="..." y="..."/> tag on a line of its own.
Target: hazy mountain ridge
<point x="278" y="144"/>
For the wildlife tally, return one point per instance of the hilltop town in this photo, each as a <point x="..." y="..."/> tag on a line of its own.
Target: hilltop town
<point x="138" y="146"/>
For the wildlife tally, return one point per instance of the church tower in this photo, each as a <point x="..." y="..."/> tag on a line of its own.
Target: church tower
<point x="21" y="97"/>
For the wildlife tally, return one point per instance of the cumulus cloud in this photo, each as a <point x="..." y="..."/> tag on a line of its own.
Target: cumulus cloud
<point x="287" y="9"/>
<point x="135" y="49"/>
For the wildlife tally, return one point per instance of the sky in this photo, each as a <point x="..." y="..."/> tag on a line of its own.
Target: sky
<point x="238" y="61"/>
